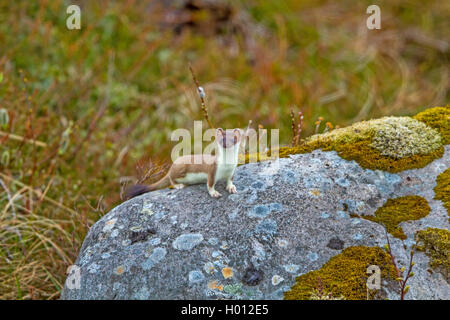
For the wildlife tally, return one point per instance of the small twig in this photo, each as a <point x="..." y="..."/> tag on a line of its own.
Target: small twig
<point x="10" y="200"/>
<point x="408" y="275"/>
<point x="151" y="171"/>
<point x="22" y="139"/>
<point x="245" y="134"/>
<point x="248" y="127"/>
<point x="201" y="93"/>
<point x="99" y="207"/>
<point x="318" y="122"/>
<point x="296" y="129"/>
<point x="299" y="127"/>
<point x="402" y="282"/>
<point x="293" y="127"/>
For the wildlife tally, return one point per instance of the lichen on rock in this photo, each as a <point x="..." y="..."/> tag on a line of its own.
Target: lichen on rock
<point x="345" y="275"/>
<point x="398" y="210"/>
<point x="391" y="144"/>
<point x="438" y="118"/>
<point x="400" y="137"/>
<point x="436" y="244"/>
<point x="284" y="222"/>
<point x="442" y="189"/>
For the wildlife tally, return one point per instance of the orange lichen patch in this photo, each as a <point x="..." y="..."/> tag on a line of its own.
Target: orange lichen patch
<point x="214" y="285"/>
<point x="315" y="192"/>
<point x="119" y="270"/>
<point x="227" y="272"/>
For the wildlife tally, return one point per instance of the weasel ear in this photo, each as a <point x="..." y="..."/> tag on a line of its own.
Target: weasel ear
<point x="220" y="131"/>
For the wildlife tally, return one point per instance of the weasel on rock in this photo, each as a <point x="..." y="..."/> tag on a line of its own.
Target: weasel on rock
<point x="200" y="168"/>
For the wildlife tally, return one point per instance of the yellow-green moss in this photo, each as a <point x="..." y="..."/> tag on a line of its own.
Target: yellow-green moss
<point x="436" y="244"/>
<point x="344" y="275"/>
<point x="397" y="210"/>
<point x="391" y="144"/>
<point x="442" y="189"/>
<point x="438" y="118"/>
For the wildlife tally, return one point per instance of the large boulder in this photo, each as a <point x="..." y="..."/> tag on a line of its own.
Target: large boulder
<point x="183" y="244"/>
<point x="294" y="221"/>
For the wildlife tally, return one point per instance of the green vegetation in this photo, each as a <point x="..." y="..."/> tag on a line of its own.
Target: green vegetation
<point x="344" y="275"/>
<point x="398" y="210"/>
<point x="436" y="244"/>
<point x="83" y="110"/>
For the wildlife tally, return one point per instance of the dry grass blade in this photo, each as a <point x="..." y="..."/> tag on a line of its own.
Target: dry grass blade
<point x="22" y="139"/>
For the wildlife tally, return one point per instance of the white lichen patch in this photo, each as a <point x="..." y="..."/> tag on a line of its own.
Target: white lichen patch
<point x="155" y="257"/>
<point x="109" y="225"/>
<point x="114" y="233"/>
<point x="224" y="245"/>
<point x="196" y="276"/>
<point x="93" y="267"/>
<point x="282" y="243"/>
<point x="187" y="241"/>
<point x="291" y="268"/>
<point x="400" y="137"/>
<point x="276" y="279"/>
<point x="147" y="208"/>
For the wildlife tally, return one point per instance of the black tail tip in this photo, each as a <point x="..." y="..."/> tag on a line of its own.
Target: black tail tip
<point x="135" y="190"/>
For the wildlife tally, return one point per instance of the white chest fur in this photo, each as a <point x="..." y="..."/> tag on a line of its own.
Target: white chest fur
<point x="227" y="160"/>
<point x="225" y="171"/>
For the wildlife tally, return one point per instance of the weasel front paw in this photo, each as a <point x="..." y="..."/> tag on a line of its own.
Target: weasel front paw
<point x="179" y="186"/>
<point x="215" y="194"/>
<point x="231" y="188"/>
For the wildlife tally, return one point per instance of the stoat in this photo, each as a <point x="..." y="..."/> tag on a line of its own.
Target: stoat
<point x="195" y="169"/>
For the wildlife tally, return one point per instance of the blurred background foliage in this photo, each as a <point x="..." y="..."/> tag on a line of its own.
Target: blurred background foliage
<point x="84" y="111"/>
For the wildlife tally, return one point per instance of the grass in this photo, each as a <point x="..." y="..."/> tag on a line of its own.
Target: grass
<point x="87" y="109"/>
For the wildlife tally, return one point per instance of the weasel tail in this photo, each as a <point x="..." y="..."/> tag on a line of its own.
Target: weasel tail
<point x="138" y="189"/>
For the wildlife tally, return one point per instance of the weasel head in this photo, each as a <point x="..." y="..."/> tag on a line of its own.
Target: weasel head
<point x="228" y="138"/>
